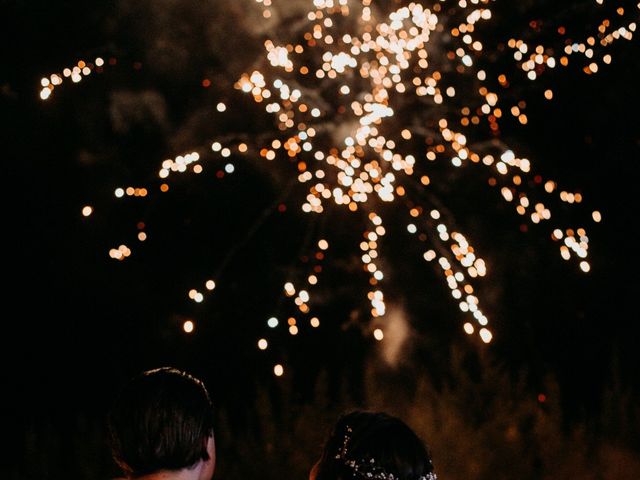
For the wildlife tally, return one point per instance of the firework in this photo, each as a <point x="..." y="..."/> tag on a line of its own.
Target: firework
<point x="369" y="100"/>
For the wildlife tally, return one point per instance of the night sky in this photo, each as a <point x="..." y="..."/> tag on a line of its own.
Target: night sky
<point x="78" y="323"/>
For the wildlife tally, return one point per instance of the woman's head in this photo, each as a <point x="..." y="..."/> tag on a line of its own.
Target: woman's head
<point x="373" y="446"/>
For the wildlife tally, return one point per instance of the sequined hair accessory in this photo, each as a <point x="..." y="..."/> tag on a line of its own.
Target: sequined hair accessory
<point x="366" y="468"/>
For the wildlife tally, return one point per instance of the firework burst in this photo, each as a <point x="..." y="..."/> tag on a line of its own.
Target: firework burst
<point x="369" y="101"/>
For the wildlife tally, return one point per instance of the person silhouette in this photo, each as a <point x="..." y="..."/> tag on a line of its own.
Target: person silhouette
<point x="160" y="427"/>
<point x="373" y="446"/>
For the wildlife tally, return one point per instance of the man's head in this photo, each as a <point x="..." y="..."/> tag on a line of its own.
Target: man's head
<point x="162" y="421"/>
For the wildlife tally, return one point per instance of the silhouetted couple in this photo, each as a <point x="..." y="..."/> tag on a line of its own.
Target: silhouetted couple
<point x="161" y="428"/>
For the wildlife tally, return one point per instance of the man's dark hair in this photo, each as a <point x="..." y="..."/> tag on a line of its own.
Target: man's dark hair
<point x="161" y="420"/>
<point x="373" y="445"/>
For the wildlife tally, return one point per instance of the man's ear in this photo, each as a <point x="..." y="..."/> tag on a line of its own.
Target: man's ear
<point x="209" y="466"/>
<point x="208" y="446"/>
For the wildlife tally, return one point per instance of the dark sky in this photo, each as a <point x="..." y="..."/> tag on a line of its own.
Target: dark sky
<point x="81" y="322"/>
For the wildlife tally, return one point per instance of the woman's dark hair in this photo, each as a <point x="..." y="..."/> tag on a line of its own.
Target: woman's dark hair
<point x="373" y="445"/>
<point x="161" y="420"/>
